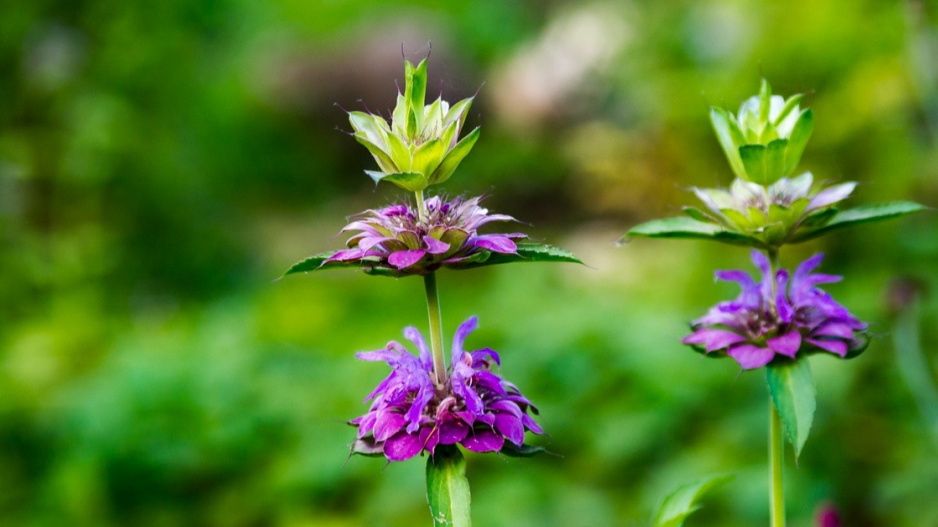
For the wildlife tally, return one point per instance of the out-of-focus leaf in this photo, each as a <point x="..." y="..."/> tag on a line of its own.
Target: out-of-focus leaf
<point x="793" y="394"/>
<point x="684" y="227"/>
<point x="798" y="140"/>
<point x="682" y="501"/>
<point x="860" y="215"/>
<point x="729" y="135"/>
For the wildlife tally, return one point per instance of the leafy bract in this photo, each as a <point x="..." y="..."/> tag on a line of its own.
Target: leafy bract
<point x="793" y="394"/>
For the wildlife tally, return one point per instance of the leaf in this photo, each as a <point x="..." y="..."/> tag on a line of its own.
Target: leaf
<point x="753" y="157"/>
<point x="527" y="252"/>
<point x="409" y="181"/>
<point x="684" y="227"/>
<point x="729" y="135"/>
<point x="384" y="160"/>
<point x="860" y="215"/>
<point x="427" y="157"/>
<point x="798" y="140"/>
<point x="448" y="488"/>
<point x="525" y="450"/>
<point x="681" y="502"/>
<point x="793" y="394"/>
<point x="454" y="157"/>
<point x="319" y="261"/>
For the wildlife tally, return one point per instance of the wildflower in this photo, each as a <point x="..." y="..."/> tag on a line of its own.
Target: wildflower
<point x="420" y="146"/>
<point x="773" y="214"/>
<point x="773" y="318"/>
<point x="401" y="240"/>
<point x="765" y="140"/>
<point x="474" y="407"/>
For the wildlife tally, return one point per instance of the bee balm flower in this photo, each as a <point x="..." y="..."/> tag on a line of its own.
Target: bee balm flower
<point x="474" y="408"/>
<point x="772" y="318"/>
<point x="401" y="240"/>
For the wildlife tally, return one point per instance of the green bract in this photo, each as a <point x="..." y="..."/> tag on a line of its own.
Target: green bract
<point x="420" y="146"/>
<point x="765" y="140"/>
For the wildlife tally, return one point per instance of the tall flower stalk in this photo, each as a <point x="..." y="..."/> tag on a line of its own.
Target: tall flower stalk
<point x="426" y="406"/>
<point x="778" y="321"/>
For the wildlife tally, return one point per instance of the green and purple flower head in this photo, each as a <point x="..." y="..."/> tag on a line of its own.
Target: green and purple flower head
<point x="775" y="318"/>
<point x="473" y="407"/>
<point x="403" y="240"/>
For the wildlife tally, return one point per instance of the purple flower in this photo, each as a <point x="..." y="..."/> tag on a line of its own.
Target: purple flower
<point x="475" y="407"/>
<point x="400" y="240"/>
<point x="773" y="317"/>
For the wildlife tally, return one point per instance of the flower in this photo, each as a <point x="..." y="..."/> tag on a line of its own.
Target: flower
<point x="475" y="407"/>
<point x="765" y="140"/>
<point x="773" y="318"/>
<point x="773" y="214"/>
<point x="420" y="146"/>
<point x="400" y="240"/>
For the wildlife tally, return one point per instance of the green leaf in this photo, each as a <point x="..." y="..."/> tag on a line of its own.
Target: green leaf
<point x="792" y="389"/>
<point x="860" y="215"/>
<point x="753" y="157"/>
<point x="684" y="227"/>
<point x="448" y="488"/>
<point x="454" y="157"/>
<point x="384" y="160"/>
<point x="409" y="181"/>
<point x="525" y="450"/>
<point x="798" y="140"/>
<point x="427" y="157"/>
<point x="790" y="105"/>
<point x="729" y="135"/>
<point x="317" y="262"/>
<point x="775" y="160"/>
<point x="682" y="501"/>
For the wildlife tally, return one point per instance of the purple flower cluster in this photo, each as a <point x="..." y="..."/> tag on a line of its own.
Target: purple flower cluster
<point x="772" y="318"/>
<point x="475" y="407"/>
<point x="410" y="241"/>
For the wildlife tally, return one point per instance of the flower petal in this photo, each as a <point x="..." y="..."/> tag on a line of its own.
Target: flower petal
<point x="435" y="246"/>
<point x="483" y="441"/>
<point x="750" y="356"/>
<point x="496" y="243"/>
<point x="387" y="424"/>
<point x="831" y="195"/>
<point x="402" y="446"/>
<point x="403" y="259"/>
<point x="459" y="338"/>
<point x="787" y="344"/>
<point x="837" y="347"/>
<point x="713" y="339"/>
<point x="510" y="427"/>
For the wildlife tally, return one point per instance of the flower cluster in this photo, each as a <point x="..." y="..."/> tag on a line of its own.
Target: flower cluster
<point x="420" y="146"/>
<point x="772" y="214"/>
<point x="773" y="317"/>
<point x="474" y="407"/>
<point x="402" y="240"/>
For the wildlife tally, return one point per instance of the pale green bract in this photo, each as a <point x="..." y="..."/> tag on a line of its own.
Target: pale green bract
<point x="765" y="140"/>
<point x="420" y="146"/>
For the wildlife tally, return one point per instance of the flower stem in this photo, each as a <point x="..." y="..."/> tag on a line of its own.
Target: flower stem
<point x="776" y="457"/>
<point x="421" y="206"/>
<point x="436" y="329"/>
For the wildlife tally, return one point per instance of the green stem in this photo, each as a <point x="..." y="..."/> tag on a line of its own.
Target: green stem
<point x="776" y="457"/>
<point x="436" y="329"/>
<point x="421" y="212"/>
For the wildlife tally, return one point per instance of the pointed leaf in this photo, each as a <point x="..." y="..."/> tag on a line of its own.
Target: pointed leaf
<point x="448" y="488"/>
<point x="765" y="101"/>
<point x="428" y="156"/>
<point x="860" y="215"/>
<point x="385" y="163"/>
<point x="410" y="181"/>
<point x="319" y="261"/>
<point x="454" y="157"/>
<point x="527" y="252"/>
<point x="682" y="501"/>
<point x="790" y="105"/>
<point x="458" y="113"/>
<point x="524" y="450"/>
<point x="793" y="394"/>
<point x="683" y="227"/>
<point x="753" y="158"/>
<point x="798" y="140"/>
<point x="729" y="135"/>
<point x="775" y="160"/>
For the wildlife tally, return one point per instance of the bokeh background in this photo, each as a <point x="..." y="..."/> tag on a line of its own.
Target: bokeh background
<point x="161" y="164"/>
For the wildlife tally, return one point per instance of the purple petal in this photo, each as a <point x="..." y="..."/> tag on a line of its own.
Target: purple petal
<point x="831" y="195"/>
<point x="435" y="246"/>
<point x="479" y="356"/>
<point x="506" y="406"/>
<point x="452" y="430"/>
<point x="749" y="356"/>
<point x="531" y="424"/>
<point x="387" y="424"/>
<point x="765" y="267"/>
<point x="402" y="446"/>
<point x="787" y="344"/>
<point x="510" y="426"/>
<point x="346" y="256"/>
<point x="496" y="243"/>
<point x="834" y="329"/>
<point x="459" y="338"/>
<point x="837" y="347"/>
<point x="713" y="339"/>
<point x="403" y="259"/>
<point x="483" y="441"/>
<point x="412" y="334"/>
<point x="366" y="424"/>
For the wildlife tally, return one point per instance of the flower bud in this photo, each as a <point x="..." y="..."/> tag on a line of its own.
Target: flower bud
<point x="765" y="140"/>
<point x="420" y="146"/>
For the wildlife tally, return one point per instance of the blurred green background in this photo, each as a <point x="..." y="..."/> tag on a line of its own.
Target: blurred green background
<point x="162" y="163"/>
